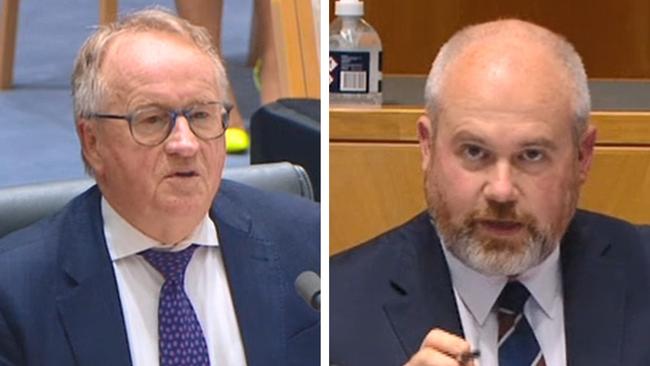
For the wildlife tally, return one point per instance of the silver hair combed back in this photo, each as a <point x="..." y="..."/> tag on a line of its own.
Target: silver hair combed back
<point x="88" y="88"/>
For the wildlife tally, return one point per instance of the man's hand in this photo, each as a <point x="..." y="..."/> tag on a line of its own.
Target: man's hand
<point x="441" y="348"/>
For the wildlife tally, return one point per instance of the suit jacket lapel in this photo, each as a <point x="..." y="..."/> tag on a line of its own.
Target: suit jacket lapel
<point x="593" y="287"/>
<point x="423" y="297"/>
<point x="255" y="281"/>
<point x="594" y="299"/>
<point x="89" y="303"/>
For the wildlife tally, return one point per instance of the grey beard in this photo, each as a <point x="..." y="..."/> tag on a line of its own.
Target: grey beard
<point x="472" y="252"/>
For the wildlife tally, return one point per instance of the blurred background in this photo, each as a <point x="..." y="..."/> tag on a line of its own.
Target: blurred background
<point x="37" y="137"/>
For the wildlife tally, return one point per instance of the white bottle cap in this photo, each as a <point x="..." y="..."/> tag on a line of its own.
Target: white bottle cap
<point x="348" y="7"/>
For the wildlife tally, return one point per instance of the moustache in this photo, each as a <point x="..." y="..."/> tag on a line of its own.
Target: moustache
<point x="505" y="214"/>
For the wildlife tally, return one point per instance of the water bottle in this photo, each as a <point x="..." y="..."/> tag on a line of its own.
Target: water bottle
<point x="355" y="58"/>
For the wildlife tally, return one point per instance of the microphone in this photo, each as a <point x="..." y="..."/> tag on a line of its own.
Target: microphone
<point x="308" y="287"/>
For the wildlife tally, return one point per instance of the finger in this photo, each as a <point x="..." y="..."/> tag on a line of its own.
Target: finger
<point x="428" y="356"/>
<point x="445" y="342"/>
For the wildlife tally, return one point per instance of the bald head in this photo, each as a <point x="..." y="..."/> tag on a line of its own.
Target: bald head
<point x="514" y="58"/>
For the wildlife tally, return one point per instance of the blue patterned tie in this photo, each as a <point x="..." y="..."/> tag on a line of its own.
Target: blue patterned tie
<point x="517" y="343"/>
<point x="181" y="341"/>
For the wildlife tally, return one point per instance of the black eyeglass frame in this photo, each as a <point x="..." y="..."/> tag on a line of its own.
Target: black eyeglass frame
<point x="174" y="114"/>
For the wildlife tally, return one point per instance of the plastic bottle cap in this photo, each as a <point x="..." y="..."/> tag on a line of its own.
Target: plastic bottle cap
<point x="348" y="7"/>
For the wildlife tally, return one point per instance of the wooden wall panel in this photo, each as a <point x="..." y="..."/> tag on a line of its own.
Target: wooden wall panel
<point x="613" y="37"/>
<point x="619" y="183"/>
<point x="397" y="124"/>
<point x="297" y="56"/>
<point x="373" y="187"/>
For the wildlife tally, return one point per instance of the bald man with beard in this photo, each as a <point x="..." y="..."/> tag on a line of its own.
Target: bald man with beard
<point x="506" y="145"/>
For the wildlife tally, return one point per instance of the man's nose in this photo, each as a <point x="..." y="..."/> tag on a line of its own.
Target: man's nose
<point x="182" y="141"/>
<point x="500" y="185"/>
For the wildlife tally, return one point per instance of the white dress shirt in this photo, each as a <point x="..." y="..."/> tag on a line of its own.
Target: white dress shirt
<point x="476" y="295"/>
<point x="139" y="287"/>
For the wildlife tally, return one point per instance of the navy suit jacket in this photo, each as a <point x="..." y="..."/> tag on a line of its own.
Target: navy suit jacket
<point x="387" y="294"/>
<point x="59" y="302"/>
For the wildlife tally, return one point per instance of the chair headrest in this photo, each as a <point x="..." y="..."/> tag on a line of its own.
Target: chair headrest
<point x="23" y="205"/>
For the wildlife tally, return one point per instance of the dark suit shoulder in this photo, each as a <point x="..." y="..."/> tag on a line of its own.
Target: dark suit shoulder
<point x="386" y="245"/>
<point x="645" y="234"/>
<point x="601" y="221"/>
<point x="37" y="243"/>
<point x="290" y="222"/>
<point x="377" y="289"/>
<point x="606" y="281"/>
<point x="621" y="235"/>
<point x="277" y="207"/>
<point x="362" y="273"/>
<point x="32" y="280"/>
<point x="270" y="238"/>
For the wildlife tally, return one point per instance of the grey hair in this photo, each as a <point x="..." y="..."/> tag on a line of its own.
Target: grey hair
<point x="88" y="88"/>
<point x="561" y="48"/>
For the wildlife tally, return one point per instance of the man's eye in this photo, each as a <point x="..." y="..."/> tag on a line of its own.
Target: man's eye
<point x="200" y="115"/>
<point x="532" y="155"/>
<point x="474" y="152"/>
<point x="151" y="119"/>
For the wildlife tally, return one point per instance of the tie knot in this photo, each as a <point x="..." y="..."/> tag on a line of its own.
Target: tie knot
<point x="171" y="265"/>
<point x="513" y="297"/>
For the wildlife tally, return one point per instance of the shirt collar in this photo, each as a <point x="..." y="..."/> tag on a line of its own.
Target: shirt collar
<point x="124" y="240"/>
<point x="479" y="292"/>
<point x="544" y="282"/>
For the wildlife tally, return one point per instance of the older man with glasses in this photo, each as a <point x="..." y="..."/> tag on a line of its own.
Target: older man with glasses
<point x="162" y="262"/>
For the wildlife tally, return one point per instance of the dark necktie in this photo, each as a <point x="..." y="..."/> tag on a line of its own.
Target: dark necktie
<point x="181" y="341"/>
<point x="517" y="343"/>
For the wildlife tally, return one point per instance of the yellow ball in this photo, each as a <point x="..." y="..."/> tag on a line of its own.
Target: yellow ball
<point x="237" y="140"/>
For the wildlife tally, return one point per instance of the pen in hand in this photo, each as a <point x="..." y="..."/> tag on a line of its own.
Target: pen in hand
<point x="466" y="357"/>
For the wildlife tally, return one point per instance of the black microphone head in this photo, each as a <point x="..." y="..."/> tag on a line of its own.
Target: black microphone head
<point x="308" y="287"/>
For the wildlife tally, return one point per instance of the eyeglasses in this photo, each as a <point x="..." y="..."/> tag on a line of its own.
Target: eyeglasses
<point x="151" y="126"/>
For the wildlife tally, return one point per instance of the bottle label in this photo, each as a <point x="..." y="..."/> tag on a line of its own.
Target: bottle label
<point x="356" y="72"/>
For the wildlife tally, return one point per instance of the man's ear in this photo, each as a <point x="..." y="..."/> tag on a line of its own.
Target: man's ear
<point x="425" y="137"/>
<point x="87" y="132"/>
<point x="586" y="152"/>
